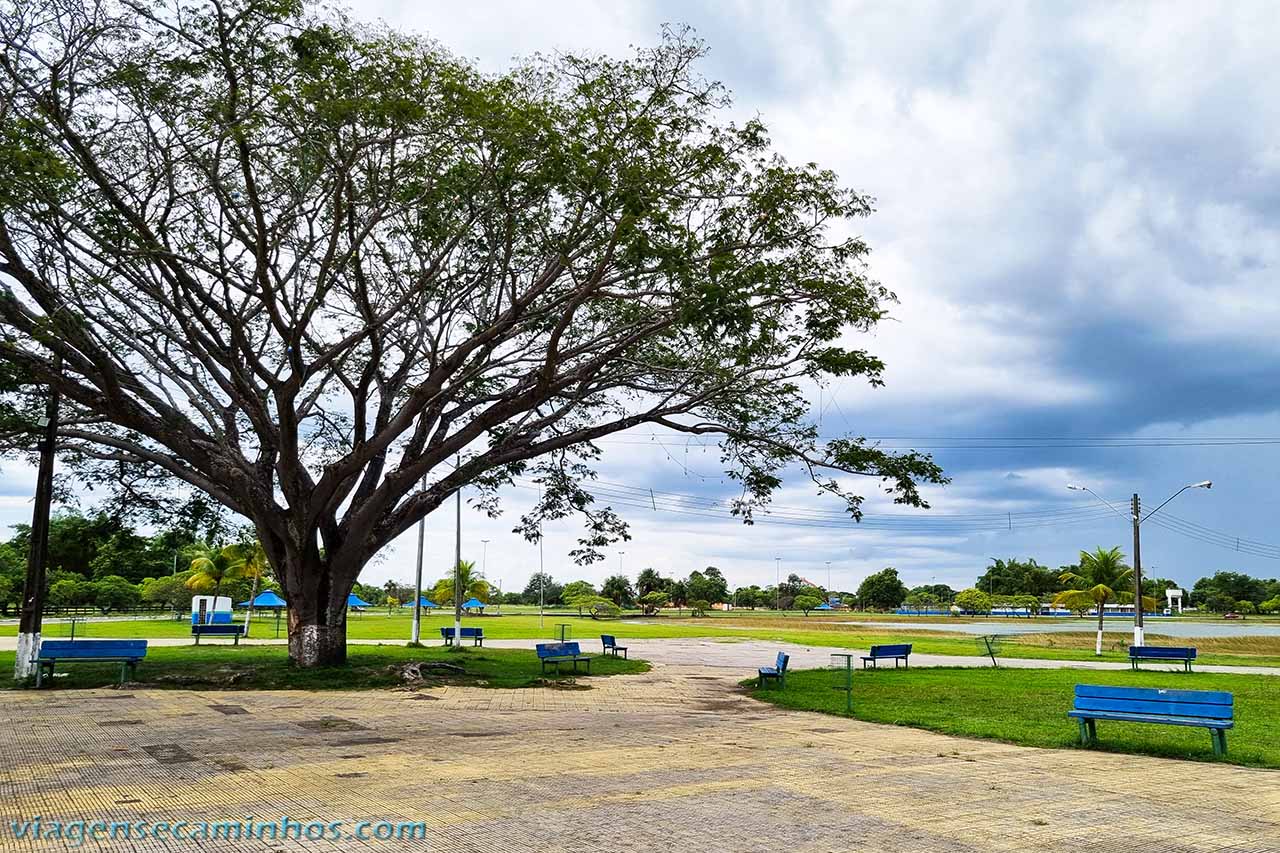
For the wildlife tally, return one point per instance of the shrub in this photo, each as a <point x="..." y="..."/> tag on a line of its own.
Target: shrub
<point x="973" y="600"/>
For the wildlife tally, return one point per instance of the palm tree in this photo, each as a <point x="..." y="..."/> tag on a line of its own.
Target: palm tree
<point x="648" y="581"/>
<point x="1100" y="580"/>
<point x="473" y="586"/>
<point x="210" y="567"/>
<point x="248" y="560"/>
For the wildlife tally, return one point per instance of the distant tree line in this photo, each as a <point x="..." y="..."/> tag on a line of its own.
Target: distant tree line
<point x="100" y="561"/>
<point x="1024" y="582"/>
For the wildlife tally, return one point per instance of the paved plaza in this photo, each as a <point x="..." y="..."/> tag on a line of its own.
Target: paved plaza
<point x="675" y="759"/>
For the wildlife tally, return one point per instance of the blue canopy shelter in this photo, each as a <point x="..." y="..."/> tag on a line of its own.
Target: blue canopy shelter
<point x="270" y="600"/>
<point x="354" y="600"/>
<point x="266" y="599"/>
<point x="823" y="606"/>
<point x="428" y="603"/>
<point x="474" y="602"/>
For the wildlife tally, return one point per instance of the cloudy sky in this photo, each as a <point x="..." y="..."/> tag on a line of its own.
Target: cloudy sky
<point x="1079" y="208"/>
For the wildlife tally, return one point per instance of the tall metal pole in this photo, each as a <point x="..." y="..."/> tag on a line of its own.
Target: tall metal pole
<point x="777" y="583"/>
<point x="32" y="616"/>
<point x="542" y="569"/>
<point x="1137" y="571"/>
<point x="416" y="636"/>
<point x="457" y="563"/>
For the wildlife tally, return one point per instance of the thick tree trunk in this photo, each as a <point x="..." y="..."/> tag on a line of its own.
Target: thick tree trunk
<point x="317" y="597"/>
<point x="317" y="643"/>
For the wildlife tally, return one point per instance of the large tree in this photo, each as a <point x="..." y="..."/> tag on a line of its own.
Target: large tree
<point x="1018" y="577"/>
<point x="882" y="590"/>
<point x="329" y="275"/>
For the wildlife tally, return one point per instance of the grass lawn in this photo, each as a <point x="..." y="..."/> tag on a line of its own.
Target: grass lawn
<point x="520" y="623"/>
<point x="368" y="667"/>
<point x="1029" y="707"/>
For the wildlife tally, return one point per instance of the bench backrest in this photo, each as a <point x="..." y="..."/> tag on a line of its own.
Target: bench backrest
<point x="781" y="663"/>
<point x="93" y="649"/>
<point x="608" y="640"/>
<point x="1205" y="704"/>
<point x="217" y="629"/>
<point x="891" y="651"/>
<point x="1163" y="652"/>
<point x="558" y="650"/>
<point x="466" y="632"/>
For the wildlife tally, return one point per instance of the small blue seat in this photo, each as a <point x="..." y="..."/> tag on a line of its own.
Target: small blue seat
<point x="1208" y="709"/>
<point x="558" y="653"/>
<point x="611" y="646"/>
<point x="777" y="672"/>
<point x="475" y="635"/>
<point x="127" y="652"/>
<point x="898" y="652"/>
<point x="1186" y="654"/>
<point x="217" y="629"/>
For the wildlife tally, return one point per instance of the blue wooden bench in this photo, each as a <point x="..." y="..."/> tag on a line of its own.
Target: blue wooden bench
<point x="611" y="646"/>
<point x="126" y="652"/>
<point x="777" y="672"/>
<point x="1207" y="709"/>
<point x="219" y="629"/>
<point x="558" y="653"/>
<point x="1174" y="653"/>
<point x="899" y="652"/>
<point x="475" y="635"/>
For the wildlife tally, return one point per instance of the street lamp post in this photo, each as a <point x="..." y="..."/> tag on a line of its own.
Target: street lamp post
<point x="777" y="583"/>
<point x="1136" y="518"/>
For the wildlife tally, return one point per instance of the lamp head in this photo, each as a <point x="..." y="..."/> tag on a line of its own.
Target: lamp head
<point x="1207" y="484"/>
<point x="1075" y="488"/>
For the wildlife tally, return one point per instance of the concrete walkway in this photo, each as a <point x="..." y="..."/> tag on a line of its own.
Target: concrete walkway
<point x="746" y="655"/>
<point x="677" y="759"/>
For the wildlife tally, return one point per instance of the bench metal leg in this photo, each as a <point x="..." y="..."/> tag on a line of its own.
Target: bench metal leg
<point x="1088" y="732"/>
<point x="1219" y="742"/>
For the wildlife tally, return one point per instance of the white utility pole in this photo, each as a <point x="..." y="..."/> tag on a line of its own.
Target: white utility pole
<point x="416" y="635"/>
<point x="457" y="564"/>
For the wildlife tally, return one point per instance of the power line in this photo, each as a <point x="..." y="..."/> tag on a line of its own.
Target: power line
<point x="938" y="443"/>
<point x="698" y="506"/>
<point x="694" y="506"/>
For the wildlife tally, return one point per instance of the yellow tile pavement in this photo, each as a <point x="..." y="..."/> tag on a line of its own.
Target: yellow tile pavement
<point x="675" y="759"/>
